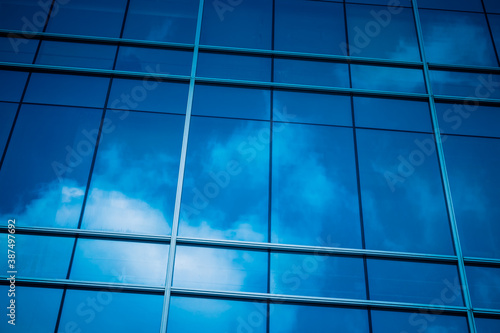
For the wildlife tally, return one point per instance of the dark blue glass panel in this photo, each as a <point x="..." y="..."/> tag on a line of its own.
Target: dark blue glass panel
<point x="484" y="286"/>
<point x="494" y="21"/>
<point x="135" y="173"/>
<point x="148" y="95"/>
<point x="467" y="5"/>
<point x="317" y="73"/>
<point x="12" y="84"/>
<point x="194" y="315"/>
<point x="402" y="193"/>
<point x="67" y="90"/>
<point x="76" y="55"/>
<point x="382" y="32"/>
<point x="120" y="262"/>
<point x="88" y="17"/>
<point x="237" y="23"/>
<point x="417" y="322"/>
<point x="468" y="120"/>
<point x="157" y="61"/>
<point x="36" y="309"/>
<point x="388" y="78"/>
<point x="492" y="6"/>
<point x="104" y="311"/>
<point x="164" y="21"/>
<point x="230" y="66"/>
<point x="233" y="102"/>
<point x="42" y="257"/>
<point x="394" y="114"/>
<point x="414" y="282"/>
<point x="391" y="3"/>
<point x="487" y="325"/>
<point x="47" y="164"/>
<point x="475" y="85"/>
<point x="448" y="37"/>
<point x="288" y="318"/>
<point x="220" y="269"/>
<point x="317" y="275"/>
<point x="314" y="202"/>
<point x="473" y="165"/>
<point x="26" y="15"/>
<point x="7" y="115"/>
<point x="312" y="108"/>
<point x="309" y="26"/>
<point x="226" y="182"/>
<point x="14" y="49"/>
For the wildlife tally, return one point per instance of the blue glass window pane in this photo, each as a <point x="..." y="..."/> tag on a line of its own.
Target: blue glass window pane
<point x="472" y="165"/>
<point x="393" y="114"/>
<point x="484" y="286"/>
<point x="135" y="173"/>
<point x="164" y="21"/>
<point x="448" y="37"/>
<point x="492" y="6"/>
<point x="466" y="5"/>
<point x="317" y="275"/>
<point x="14" y="49"/>
<point x="104" y="311"/>
<point x="309" y="26"/>
<point x="226" y="182"/>
<point x="316" y="73"/>
<point x="416" y="322"/>
<point x="36" y="309"/>
<point x="382" y="32"/>
<point x="41" y="257"/>
<point x="120" y="262"/>
<point x="64" y="89"/>
<point x="468" y="120"/>
<point x="230" y="66"/>
<point x="392" y="3"/>
<point x="156" y="61"/>
<point x="312" y="108"/>
<point x="388" y="78"/>
<point x="220" y="269"/>
<point x="414" y="282"/>
<point x="314" y="202"/>
<point x="12" y="84"/>
<point x="402" y="194"/>
<point x="7" y="115"/>
<point x="475" y="85"/>
<point x="232" y="102"/>
<point x="76" y="55"/>
<point x="46" y="167"/>
<point x="287" y="318"/>
<point x="487" y="325"/>
<point x="494" y="21"/>
<point x="88" y="17"/>
<point x="194" y="315"/>
<point x="148" y="95"/>
<point x="26" y="15"/>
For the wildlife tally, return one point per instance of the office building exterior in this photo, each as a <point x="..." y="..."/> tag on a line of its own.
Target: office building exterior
<point x="263" y="166"/>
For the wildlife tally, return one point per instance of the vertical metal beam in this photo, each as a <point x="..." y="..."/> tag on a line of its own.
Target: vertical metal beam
<point x="444" y="174"/>
<point x="180" y="179"/>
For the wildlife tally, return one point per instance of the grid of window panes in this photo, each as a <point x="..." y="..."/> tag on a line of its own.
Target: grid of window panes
<point x="251" y="165"/>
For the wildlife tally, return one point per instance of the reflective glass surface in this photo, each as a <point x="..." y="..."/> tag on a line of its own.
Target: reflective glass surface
<point x="487" y="325"/>
<point x="309" y="26"/>
<point x="231" y="66"/>
<point x="468" y="120"/>
<point x="417" y="322"/>
<point x="7" y="115"/>
<point x="492" y="6"/>
<point x="314" y="201"/>
<point x="220" y="269"/>
<point x="473" y="165"/>
<point x="27" y="15"/>
<point x="484" y="286"/>
<point x="402" y="194"/>
<point x="164" y="21"/>
<point x="494" y="21"/>
<point x="12" y="84"/>
<point x="387" y="78"/>
<point x="477" y="85"/>
<point x="392" y="3"/>
<point x="316" y="73"/>
<point x="414" y="282"/>
<point x="382" y="32"/>
<point x="315" y="275"/>
<point x="226" y="182"/>
<point x="467" y="5"/>
<point x="448" y="37"/>
<point x="17" y="49"/>
<point x="46" y="186"/>
<point x="135" y="173"/>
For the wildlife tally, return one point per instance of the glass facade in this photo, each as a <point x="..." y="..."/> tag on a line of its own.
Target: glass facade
<point x="250" y="166"/>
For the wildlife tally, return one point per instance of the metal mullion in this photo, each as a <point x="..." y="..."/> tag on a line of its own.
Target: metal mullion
<point x="444" y="174"/>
